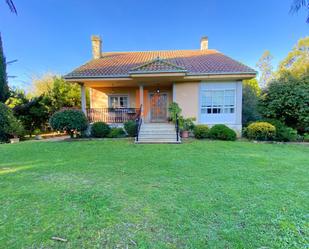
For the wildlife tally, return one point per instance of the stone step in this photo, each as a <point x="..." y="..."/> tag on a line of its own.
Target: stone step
<point x="157" y="141"/>
<point x="157" y="137"/>
<point x="157" y="133"/>
<point x="157" y="127"/>
<point x="159" y="130"/>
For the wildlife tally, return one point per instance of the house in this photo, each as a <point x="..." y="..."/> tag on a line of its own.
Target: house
<point x="205" y="83"/>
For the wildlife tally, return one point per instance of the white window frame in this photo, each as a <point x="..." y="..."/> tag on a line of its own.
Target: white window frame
<point x="118" y="96"/>
<point x="204" y="109"/>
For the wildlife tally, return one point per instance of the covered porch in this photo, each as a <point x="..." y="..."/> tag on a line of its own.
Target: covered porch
<point x="118" y="101"/>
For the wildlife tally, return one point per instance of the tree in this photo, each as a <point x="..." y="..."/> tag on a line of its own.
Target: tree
<point x="287" y="99"/>
<point x="33" y="113"/>
<point x="266" y="69"/>
<point x="62" y="94"/>
<point x="298" y="4"/>
<point x="58" y="93"/>
<point x="297" y="61"/>
<point x="9" y="125"/>
<point x="17" y="97"/>
<point x="250" y="99"/>
<point x="42" y="85"/>
<point x="4" y="88"/>
<point x="70" y="121"/>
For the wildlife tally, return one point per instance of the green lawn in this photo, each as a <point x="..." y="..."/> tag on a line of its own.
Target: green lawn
<point x="115" y="194"/>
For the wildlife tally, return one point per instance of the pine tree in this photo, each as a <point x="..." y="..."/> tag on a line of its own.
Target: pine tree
<point x="4" y="88"/>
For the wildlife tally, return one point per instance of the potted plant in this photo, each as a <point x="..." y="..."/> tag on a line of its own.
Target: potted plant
<point x="186" y="126"/>
<point x="174" y="110"/>
<point x="37" y="133"/>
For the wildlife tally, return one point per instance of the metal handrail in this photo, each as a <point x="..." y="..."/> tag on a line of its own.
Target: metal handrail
<point x="138" y="121"/>
<point x="177" y="127"/>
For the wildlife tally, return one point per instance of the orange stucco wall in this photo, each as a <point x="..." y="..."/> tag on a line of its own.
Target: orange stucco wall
<point x="187" y="96"/>
<point x="99" y="96"/>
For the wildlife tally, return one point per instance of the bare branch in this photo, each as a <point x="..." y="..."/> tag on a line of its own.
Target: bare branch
<point x="11" y="6"/>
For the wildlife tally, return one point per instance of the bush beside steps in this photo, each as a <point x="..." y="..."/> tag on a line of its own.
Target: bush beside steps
<point x="100" y="130"/>
<point x="222" y="132"/>
<point x="103" y="130"/>
<point x="219" y="132"/>
<point x="201" y="131"/>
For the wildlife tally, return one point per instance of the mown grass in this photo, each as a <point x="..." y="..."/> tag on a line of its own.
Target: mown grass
<point x="115" y="194"/>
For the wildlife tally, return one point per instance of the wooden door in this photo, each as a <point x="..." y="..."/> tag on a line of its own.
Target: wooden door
<point x="158" y="107"/>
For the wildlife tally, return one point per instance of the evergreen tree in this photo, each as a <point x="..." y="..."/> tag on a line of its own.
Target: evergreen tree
<point x="4" y="89"/>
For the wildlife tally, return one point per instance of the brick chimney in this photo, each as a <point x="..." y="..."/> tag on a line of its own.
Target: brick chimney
<point x="204" y="43"/>
<point x="96" y="46"/>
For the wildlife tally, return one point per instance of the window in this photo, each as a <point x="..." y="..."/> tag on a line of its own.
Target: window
<point x="218" y="102"/>
<point x="118" y="101"/>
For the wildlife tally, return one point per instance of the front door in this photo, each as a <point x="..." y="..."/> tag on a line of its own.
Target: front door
<point x="158" y="107"/>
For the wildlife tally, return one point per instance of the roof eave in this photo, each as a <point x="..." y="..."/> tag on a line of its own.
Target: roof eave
<point x="250" y="74"/>
<point x="222" y="73"/>
<point x="120" y="76"/>
<point x="220" y="76"/>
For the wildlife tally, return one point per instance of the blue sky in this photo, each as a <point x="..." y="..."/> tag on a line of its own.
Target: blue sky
<point x="54" y="35"/>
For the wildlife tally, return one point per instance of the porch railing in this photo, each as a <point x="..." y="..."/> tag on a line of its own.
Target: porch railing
<point x="112" y="115"/>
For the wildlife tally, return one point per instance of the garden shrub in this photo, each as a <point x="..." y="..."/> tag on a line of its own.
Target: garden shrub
<point x="100" y="129"/>
<point x="262" y="131"/>
<point x="222" y="132"/>
<point x="9" y="125"/>
<point x="116" y="133"/>
<point x="130" y="127"/>
<point x="69" y="120"/>
<point x="306" y="137"/>
<point x="283" y="132"/>
<point x="201" y="131"/>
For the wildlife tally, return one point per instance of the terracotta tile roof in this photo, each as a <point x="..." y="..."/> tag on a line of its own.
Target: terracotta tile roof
<point x="194" y="62"/>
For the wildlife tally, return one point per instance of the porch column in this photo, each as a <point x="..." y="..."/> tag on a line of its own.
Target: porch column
<point x="83" y="97"/>
<point x="174" y="92"/>
<point x="141" y="98"/>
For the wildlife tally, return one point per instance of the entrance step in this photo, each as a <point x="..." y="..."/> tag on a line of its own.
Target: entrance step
<point x="153" y="141"/>
<point x="157" y="133"/>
